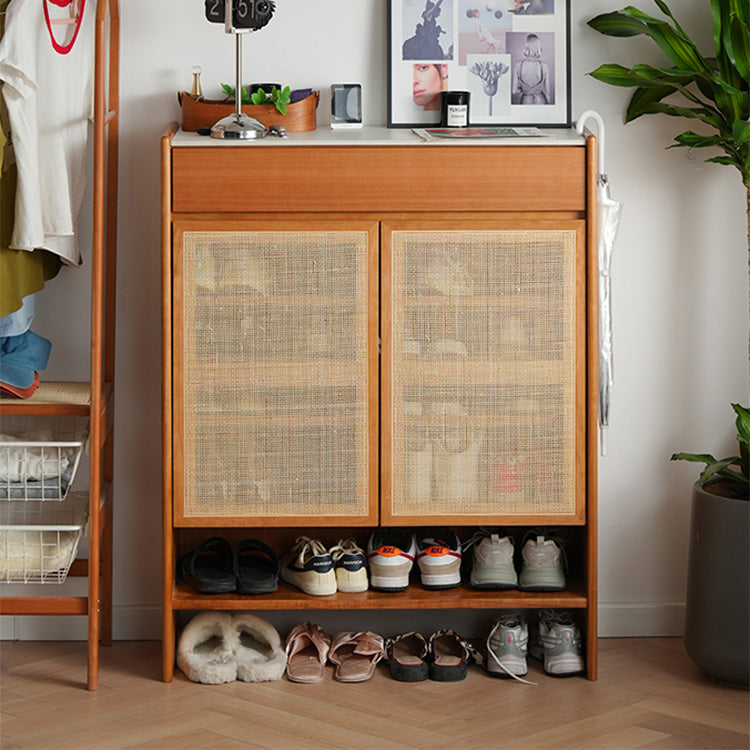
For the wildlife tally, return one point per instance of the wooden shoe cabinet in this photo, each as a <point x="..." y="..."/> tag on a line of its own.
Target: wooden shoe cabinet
<point x="363" y="329"/>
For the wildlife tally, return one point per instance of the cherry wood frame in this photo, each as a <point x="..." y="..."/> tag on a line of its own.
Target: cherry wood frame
<point x="94" y="399"/>
<point x="539" y="185"/>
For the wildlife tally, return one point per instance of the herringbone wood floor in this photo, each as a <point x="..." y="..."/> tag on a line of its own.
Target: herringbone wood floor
<point x="648" y="694"/>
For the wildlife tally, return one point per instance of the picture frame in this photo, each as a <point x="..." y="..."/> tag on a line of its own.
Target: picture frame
<point x="512" y="56"/>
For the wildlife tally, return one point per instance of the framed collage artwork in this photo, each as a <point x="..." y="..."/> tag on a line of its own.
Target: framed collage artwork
<point x="512" y="56"/>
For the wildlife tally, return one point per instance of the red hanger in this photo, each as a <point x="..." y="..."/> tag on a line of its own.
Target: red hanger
<point x="77" y="7"/>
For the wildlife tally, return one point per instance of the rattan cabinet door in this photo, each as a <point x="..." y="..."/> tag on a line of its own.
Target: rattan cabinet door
<point x="275" y="373"/>
<point x="483" y="372"/>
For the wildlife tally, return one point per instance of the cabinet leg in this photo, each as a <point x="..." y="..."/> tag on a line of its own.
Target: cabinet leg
<point x="168" y="644"/>
<point x="106" y="583"/>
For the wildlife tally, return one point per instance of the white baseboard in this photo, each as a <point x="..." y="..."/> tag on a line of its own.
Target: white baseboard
<point x="129" y="623"/>
<point x="641" y="619"/>
<point x="138" y="623"/>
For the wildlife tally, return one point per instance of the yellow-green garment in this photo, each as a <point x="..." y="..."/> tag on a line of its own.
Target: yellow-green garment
<point x="21" y="272"/>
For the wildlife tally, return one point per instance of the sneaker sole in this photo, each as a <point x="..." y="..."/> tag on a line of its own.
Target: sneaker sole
<point x="563" y="665"/>
<point x="389" y="583"/>
<point x="324" y="586"/>
<point x="438" y="581"/>
<point x="351" y="582"/>
<point x="541" y="579"/>
<point x="494" y="577"/>
<point x="516" y="665"/>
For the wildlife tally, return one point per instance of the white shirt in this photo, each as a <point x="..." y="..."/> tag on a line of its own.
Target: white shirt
<point x="49" y="97"/>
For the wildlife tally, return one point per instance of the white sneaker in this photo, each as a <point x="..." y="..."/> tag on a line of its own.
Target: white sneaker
<point x="350" y="566"/>
<point x="439" y="558"/>
<point x="507" y="647"/>
<point x="309" y="567"/>
<point x="390" y="554"/>
<point x="558" y="644"/>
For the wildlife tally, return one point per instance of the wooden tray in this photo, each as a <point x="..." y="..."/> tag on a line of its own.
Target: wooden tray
<point x="300" y="116"/>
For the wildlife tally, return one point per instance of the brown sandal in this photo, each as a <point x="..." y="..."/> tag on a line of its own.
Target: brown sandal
<point x="355" y="655"/>
<point x="307" y="648"/>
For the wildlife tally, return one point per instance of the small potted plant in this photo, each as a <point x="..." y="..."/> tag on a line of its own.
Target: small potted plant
<point x="717" y="623"/>
<point x="294" y="109"/>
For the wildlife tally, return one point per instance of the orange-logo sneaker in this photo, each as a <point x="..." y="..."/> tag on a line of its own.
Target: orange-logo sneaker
<point x="439" y="558"/>
<point x="390" y="554"/>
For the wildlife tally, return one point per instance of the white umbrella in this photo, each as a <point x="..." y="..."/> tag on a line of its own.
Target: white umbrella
<point x="608" y="219"/>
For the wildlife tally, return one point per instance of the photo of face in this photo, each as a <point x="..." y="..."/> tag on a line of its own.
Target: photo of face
<point x="428" y="81"/>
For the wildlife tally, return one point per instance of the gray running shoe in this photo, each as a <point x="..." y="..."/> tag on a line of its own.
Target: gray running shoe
<point x="507" y="646"/>
<point x="492" y="560"/>
<point x="542" y="566"/>
<point x="558" y="644"/>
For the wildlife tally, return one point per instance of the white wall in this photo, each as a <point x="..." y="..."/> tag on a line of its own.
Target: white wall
<point x="680" y="291"/>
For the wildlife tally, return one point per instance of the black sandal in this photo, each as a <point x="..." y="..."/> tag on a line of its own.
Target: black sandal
<point x="256" y="567"/>
<point x="208" y="568"/>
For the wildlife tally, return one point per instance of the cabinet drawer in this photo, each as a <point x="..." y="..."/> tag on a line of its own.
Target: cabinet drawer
<point x="373" y="179"/>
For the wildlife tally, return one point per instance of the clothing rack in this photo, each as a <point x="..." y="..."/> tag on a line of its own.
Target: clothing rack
<point x="94" y="400"/>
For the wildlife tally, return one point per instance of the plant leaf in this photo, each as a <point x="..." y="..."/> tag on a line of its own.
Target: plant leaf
<point x="720" y="468"/>
<point x="703" y="458"/>
<point x="665" y="10"/>
<point x="742" y="423"/>
<point x="738" y="50"/>
<point x="741" y="131"/>
<point x="617" y="24"/>
<point x="617" y="75"/>
<point x="694" y="140"/>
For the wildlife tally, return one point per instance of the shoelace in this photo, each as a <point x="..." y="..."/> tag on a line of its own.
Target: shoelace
<point x="345" y="547"/>
<point x="307" y="548"/>
<point x="501" y="665"/>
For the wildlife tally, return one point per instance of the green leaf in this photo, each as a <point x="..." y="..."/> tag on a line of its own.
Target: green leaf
<point x="738" y="49"/>
<point x="617" y="24"/>
<point x="720" y="468"/>
<point x="617" y="75"/>
<point x="228" y="90"/>
<point x="699" y="113"/>
<point x="643" y="98"/>
<point x="703" y="458"/>
<point x="680" y="50"/>
<point x="694" y="140"/>
<point x="665" y="10"/>
<point x="741" y="131"/>
<point x="742" y="423"/>
<point x="728" y="160"/>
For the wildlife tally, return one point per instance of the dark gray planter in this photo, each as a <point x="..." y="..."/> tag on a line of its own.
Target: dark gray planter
<point x="717" y="613"/>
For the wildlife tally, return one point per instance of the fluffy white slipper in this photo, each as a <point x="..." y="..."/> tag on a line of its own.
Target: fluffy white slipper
<point x="205" y="652"/>
<point x="258" y="651"/>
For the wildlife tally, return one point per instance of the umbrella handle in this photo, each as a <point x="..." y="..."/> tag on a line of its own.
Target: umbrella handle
<point x="589" y="114"/>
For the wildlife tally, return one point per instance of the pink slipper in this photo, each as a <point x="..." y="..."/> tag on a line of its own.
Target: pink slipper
<point x="355" y="655"/>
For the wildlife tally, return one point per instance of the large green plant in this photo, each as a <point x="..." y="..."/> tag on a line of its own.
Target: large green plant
<point x="710" y="89"/>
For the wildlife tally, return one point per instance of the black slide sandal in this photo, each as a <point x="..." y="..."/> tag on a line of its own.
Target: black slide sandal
<point x="208" y="568"/>
<point x="256" y="567"/>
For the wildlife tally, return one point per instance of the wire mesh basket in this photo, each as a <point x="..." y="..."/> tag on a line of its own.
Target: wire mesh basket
<point x="39" y="540"/>
<point x="34" y="466"/>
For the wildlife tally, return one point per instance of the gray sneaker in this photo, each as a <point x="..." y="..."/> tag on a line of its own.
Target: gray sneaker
<point x="492" y="560"/>
<point x="558" y="644"/>
<point x="507" y="646"/>
<point x="542" y="566"/>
